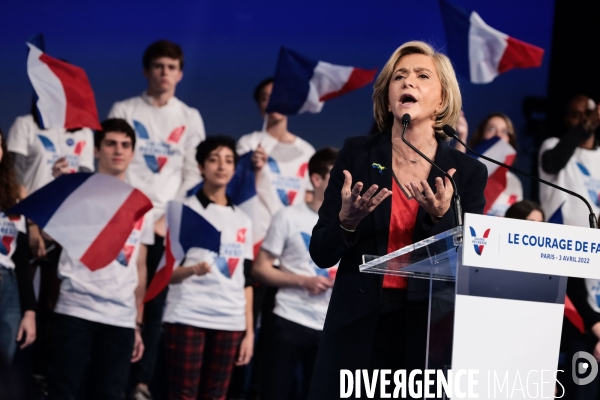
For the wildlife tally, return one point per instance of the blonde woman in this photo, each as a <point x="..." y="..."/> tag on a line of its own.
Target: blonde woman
<point x="405" y="201"/>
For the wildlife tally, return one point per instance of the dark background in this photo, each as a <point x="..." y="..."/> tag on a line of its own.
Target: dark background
<point x="231" y="45"/>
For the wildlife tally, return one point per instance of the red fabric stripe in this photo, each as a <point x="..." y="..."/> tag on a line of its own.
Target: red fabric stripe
<point x="257" y="248"/>
<point x="358" y="78"/>
<point x="496" y="184"/>
<point x="572" y="315"/>
<point x="107" y="245"/>
<point x="519" y="54"/>
<point x="163" y="275"/>
<point x="81" y="104"/>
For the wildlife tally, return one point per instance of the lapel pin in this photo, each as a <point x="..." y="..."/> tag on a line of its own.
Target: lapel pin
<point x="378" y="167"/>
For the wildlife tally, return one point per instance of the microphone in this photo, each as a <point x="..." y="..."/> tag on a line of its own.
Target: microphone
<point x="448" y="130"/>
<point x="458" y="214"/>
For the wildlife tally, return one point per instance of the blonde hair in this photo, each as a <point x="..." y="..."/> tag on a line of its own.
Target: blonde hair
<point x="451" y="98"/>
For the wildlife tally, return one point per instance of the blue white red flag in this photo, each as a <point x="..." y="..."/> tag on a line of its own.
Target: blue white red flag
<point x="303" y="85"/>
<point x="498" y="182"/>
<point x="481" y="52"/>
<point x="65" y="98"/>
<point x="90" y="215"/>
<point x="186" y="229"/>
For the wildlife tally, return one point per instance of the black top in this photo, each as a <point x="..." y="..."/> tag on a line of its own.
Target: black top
<point x="353" y="310"/>
<point x="553" y="160"/>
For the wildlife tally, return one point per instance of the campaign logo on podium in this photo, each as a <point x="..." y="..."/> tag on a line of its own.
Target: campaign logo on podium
<point x="479" y="242"/>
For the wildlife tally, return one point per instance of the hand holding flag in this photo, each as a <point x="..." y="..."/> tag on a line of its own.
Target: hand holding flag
<point x="186" y="229"/>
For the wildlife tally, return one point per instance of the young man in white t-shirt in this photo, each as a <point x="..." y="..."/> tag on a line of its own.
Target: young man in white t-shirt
<point x="164" y="168"/>
<point x="304" y="289"/>
<point x="280" y="160"/>
<point x="98" y="313"/>
<point x="208" y="314"/>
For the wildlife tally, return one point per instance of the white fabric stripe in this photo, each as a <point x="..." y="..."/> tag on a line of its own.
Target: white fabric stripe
<point x="499" y="152"/>
<point x="52" y="101"/>
<point x="327" y="78"/>
<point x="85" y="213"/>
<point x="173" y="220"/>
<point x="486" y="47"/>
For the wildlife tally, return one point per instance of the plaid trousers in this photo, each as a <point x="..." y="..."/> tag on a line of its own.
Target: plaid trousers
<point x="200" y="361"/>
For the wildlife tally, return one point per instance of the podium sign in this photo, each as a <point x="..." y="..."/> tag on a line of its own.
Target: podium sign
<point x="509" y="279"/>
<point x="527" y="246"/>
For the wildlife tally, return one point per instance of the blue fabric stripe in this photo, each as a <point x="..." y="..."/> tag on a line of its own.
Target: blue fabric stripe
<point x="242" y="186"/>
<point x="197" y="232"/>
<point x="291" y="85"/>
<point x="41" y="205"/>
<point x="557" y="217"/>
<point x="456" y="25"/>
<point x="484" y="146"/>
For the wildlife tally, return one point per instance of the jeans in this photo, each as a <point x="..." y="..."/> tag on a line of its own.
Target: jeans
<point x="10" y="313"/>
<point x="81" y="347"/>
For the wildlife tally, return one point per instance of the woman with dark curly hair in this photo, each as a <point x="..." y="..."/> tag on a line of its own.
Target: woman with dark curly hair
<point x="17" y="301"/>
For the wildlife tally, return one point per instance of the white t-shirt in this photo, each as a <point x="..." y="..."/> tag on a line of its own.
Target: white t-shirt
<point x="42" y="147"/>
<point x="215" y="300"/>
<point x="283" y="181"/>
<point x="9" y="230"/>
<point x="510" y="195"/>
<point x="288" y="239"/>
<point x="106" y="295"/>
<point x="164" y="166"/>
<point x="581" y="175"/>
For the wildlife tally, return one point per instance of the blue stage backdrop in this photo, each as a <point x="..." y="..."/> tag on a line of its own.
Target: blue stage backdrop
<point x="231" y="45"/>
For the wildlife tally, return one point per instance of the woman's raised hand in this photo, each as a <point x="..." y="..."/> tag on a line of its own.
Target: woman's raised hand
<point x="436" y="204"/>
<point x="354" y="206"/>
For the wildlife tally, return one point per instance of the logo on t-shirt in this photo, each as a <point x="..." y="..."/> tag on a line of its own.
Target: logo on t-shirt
<point x="319" y="271"/>
<point x="231" y="253"/>
<point x="129" y="246"/>
<point x="72" y="159"/>
<point x="8" y="233"/>
<point x="592" y="184"/>
<point x="156" y="153"/>
<point x="287" y="186"/>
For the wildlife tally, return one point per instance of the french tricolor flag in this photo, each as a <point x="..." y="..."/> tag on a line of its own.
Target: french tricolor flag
<point x="502" y="151"/>
<point x="64" y="95"/>
<point x="90" y="215"/>
<point x="481" y="52"/>
<point x="303" y="85"/>
<point x="186" y="229"/>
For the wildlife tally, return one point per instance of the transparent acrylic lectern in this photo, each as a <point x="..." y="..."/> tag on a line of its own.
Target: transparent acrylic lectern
<point x="494" y="294"/>
<point x="435" y="259"/>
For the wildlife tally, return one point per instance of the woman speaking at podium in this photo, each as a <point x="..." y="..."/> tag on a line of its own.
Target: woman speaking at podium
<point x="405" y="201"/>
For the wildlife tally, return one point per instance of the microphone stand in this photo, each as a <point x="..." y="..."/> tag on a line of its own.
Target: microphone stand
<point x="458" y="214"/>
<point x="448" y="130"/>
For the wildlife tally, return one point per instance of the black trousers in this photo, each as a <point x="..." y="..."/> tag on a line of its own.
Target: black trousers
<point x="89" y="352"/>
<point x="292" y="346"/>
